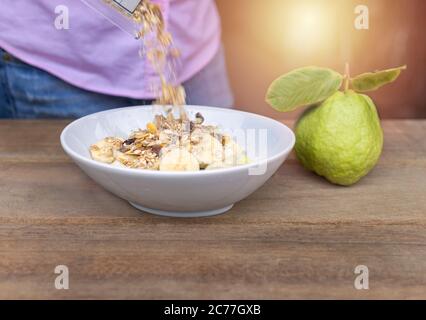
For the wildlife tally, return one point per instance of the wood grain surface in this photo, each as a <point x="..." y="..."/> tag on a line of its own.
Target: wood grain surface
<point x="296" y="237"/>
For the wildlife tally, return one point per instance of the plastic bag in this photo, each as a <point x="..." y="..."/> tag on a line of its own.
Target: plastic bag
<point x="118" y="12"/>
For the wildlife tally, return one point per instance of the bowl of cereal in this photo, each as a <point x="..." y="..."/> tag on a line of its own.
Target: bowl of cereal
<point x="182" y="164"/>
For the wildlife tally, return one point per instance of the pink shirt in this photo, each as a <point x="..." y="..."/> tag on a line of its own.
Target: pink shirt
<point x="94" y="54"/>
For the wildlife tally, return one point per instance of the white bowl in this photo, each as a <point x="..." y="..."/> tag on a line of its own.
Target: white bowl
<point x="181" y="194"/>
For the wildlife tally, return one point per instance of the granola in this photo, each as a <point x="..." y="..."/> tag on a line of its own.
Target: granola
<point x="149" y="17"/>
<point x="172" y="144"/>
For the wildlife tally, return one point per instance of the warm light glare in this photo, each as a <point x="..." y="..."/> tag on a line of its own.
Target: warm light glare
<point x="309" y="26"/>
<point x="306" y="31"/>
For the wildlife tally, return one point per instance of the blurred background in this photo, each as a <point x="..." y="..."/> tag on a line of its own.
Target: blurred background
<point x="266" y="38"/>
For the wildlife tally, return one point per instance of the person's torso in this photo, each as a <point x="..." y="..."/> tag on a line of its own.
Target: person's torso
<point x="94" y="54"/>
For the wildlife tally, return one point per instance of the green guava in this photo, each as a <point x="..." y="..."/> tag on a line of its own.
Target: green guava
<point x="340" y="139"/>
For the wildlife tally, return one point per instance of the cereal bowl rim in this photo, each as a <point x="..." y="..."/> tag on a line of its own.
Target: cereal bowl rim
<point x="144" y="172"/>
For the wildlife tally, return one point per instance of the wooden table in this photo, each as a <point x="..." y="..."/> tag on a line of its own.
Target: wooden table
<point x="297" y="237"/>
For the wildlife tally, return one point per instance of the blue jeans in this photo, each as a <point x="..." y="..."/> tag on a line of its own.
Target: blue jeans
<point x="27" y="92"/>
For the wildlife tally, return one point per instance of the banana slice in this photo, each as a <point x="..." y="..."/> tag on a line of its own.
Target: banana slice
<point x="217" y="165"/>
<point x="130" y="161"/>
<point x="179" y="159"/>
<point x="103" y="151"/>
<point x="233" y="153"/>
<point x="118" y="164"/>
<point x="208" y="150"/>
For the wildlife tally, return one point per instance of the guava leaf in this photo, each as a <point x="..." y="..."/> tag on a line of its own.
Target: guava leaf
<point x="372" y="81"/>
<point x="303" y="87"/>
